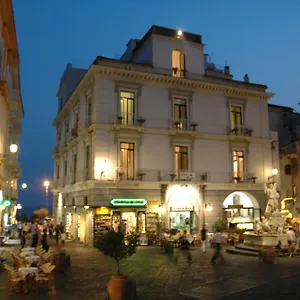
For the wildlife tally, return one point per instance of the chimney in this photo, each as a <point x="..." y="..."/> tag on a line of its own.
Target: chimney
<point x="246" y="78"/>
<point x="227" y="70"/>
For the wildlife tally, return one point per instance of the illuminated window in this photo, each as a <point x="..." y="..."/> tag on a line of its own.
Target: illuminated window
<point x="181" y="158"/>
<point x="236" y="119"/>
<point x="180" y="113"/>
<point x="178" y="63"/>
<point x="127" y="107"/>
<point x="126" y="160"/>
<point x="238" y="166"/>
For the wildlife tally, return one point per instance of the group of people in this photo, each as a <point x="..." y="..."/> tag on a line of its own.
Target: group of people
<point x="293" y="237"/>
<point x="42" y="233"/>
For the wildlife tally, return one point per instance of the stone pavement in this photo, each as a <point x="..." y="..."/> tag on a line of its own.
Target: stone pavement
<point x="159" y="276"/>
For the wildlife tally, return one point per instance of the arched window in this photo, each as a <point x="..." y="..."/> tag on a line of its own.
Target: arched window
<point x="178" y="63"/>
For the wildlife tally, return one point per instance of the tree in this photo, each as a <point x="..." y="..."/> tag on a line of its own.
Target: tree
<point x="40" y="214"/>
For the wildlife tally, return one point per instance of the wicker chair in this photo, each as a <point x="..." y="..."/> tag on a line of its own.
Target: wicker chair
<point x="46" y="278"/>
<point x="15" y="282"/>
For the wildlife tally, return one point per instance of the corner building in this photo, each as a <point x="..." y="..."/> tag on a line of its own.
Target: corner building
<point x="161" y="137"/>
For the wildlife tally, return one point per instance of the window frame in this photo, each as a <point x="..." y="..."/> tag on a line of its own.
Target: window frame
<point x="188" y="152"/>
<point x="175" y="99"/>
<point x="121" y="168"/>
<point x="243" y="177"/>
<point x="180" y="71"/>
<point x="241" y="126"/>
<point x="120" y="114"/>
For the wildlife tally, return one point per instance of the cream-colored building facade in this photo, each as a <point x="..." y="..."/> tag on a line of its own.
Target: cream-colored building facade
<point x="160" y="136"/>
<point x="11" y="113"/>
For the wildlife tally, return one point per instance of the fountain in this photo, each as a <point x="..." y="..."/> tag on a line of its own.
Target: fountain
<point x="271" y="229"/>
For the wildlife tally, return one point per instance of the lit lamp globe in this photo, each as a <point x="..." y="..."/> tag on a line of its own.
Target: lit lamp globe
<point x="13" y="148"/>
<point x="274" y="172"/>
<point x="46" y="184"/>
<point x="24" y="186"/>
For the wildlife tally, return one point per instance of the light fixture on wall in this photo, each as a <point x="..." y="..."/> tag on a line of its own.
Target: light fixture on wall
<point x="86" y="207"/>
<point x="208" y="207"/>
<point x="179" y="33"/>
<point x="274" y="173"/>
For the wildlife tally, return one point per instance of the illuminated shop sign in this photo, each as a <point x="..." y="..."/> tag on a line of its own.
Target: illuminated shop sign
<point x="183" y="208"/>
<point x="128" y="202"/>
<point x="5" y="203"/>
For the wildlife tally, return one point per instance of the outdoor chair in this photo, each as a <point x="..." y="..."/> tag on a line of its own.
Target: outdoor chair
<point x="14" y="280"/>
<point x="46" y="278"/>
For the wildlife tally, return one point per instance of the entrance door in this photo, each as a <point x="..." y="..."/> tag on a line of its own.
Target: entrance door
<point x="182" y="220"/>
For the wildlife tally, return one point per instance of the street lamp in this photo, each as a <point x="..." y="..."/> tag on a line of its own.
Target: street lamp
<point x="208" y="207"/>
<point x="274" y="173"/>
<point x="19" y="206"/>
<point x="46" y="184"/>
<point x="24" y="186"/>
<point x="13" y="148"/>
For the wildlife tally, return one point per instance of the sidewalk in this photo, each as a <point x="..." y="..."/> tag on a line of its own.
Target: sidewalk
<point x="159" y="276"/>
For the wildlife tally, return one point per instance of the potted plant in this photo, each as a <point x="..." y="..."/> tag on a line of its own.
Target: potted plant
<point x="140" y="176"/>
<point x="120" y="118"/>
<point x="120" y="175"/>
<point x="234" y="130"/>
<point x="249" y="131"/>
<point x="172" y="175"/>
<point x="194" y="125"/>
<point x="141" y="121"/>
<point x="253" y="178"/>
<point x="237" y="179"/>
<point x="204" y="177"/>
<point x="118" y="247"/>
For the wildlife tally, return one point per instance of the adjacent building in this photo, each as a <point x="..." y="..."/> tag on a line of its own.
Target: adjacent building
<point x="161" y="137"/>
<point x="11" y="113"/>
<point x="286" y="122"/>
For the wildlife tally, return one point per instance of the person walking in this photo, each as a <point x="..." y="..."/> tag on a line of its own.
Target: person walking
<point x="291" y="238"/>
<point x="45" y="244"/>
<point x="203" y="237"/>
<point x="19" y="228"/>
<point x="218" y="239"/>
<point x="35" y="238"/>
<point x="23" y="239"/>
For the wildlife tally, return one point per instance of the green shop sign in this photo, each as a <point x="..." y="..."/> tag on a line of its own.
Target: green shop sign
<point x="6" y="203"/>
<point x="128" y="202"/>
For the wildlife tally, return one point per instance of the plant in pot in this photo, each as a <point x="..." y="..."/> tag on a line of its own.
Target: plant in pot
<point x="118" y="247"/>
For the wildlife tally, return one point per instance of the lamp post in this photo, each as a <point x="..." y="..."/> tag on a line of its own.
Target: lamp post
<point x="271" y="178"/>
<point x="46" y="184"/>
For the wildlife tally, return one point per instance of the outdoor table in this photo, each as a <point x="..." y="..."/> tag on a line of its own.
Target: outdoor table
<point x="28" y="270"/>
<point x="25" y="254"/>
<point x="32" y="259"/>
<point x="28" y="249"/>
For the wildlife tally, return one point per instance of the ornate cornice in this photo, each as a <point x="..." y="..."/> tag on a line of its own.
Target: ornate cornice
<point x="181" y="82"/>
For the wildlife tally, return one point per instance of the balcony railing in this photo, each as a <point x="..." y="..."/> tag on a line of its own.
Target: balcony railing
<point x="240" y="130"/>
<point x="155" y="175"/>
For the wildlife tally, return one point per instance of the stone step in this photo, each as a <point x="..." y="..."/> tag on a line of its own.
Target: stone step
<point x="248" y="248"/>
<point x="241" y="252"/>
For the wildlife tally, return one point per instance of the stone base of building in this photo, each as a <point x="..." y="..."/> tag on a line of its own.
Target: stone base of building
<point x="260" y="240"/>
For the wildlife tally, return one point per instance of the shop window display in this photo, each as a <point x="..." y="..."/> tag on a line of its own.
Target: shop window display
<point x="68" y="225"/>
<point x="101" y="224"/>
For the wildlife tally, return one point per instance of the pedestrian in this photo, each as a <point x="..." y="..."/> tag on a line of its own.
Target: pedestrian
<point x="45" y="244"/>
<point x="290" y="238"/>
<point x="35" y="238"/>
<point x="20" y="228"/>
<point x="23" y="239"/>
<point x="203" y="237"/>
<point x="57" y="234"/>
<point x="217" y="239"/>
<point x="63" y="237"/>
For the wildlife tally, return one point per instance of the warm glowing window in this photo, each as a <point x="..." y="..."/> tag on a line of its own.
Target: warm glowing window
<point x="180" y="113"/>
<point x="238" y="165"/>
<point x="236" y="118"/>
<point x="181" y="158"/>
<point x="178" y="63"/>
<point x="127" y="160"/>
<point x="127" y="107"/>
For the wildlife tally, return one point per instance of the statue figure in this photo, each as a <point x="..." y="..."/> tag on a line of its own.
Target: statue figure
<point x="273" y="195"/>
<point x="265" y="225"/>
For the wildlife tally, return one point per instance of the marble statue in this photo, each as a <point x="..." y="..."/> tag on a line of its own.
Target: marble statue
<point x="273" y="195"/>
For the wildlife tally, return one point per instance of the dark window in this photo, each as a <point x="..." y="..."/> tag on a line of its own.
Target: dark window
<point x="288" y="169"/>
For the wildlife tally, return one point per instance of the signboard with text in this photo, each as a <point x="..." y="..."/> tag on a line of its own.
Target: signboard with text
<point x="128" y="202"/>
<point x="5" y="203"/>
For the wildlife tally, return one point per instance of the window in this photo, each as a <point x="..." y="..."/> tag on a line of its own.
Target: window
<point x="75" y="167"/>
<point x="178" y="63"/>
<point x="288" y="169"/>
<point x="67" y="126"/>
<point x="127" y="160"/>
<point x="180" y="113"/>
<point x="238" y="166"/>
<point x="88" y="110"/>
<point x="57" y="171"/>
<point x="87" y="162"/>
<point x="127" y="107"/>
<point x="236" y="119"/>
<point x="181" y="158"/>
<point x="66" y="167"/>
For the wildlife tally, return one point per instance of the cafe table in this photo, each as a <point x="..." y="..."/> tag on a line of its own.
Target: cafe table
<point x="32" y="259"/>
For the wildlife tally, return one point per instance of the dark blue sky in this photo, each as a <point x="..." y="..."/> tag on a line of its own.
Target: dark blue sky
<point x="257" y="37"/>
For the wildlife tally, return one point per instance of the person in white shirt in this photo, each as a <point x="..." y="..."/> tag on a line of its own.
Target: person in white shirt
<point x="291" y="238"/>
<point x="218" y="239"/>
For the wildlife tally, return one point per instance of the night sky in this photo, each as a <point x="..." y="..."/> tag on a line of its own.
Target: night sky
<point x="260" y="38"/>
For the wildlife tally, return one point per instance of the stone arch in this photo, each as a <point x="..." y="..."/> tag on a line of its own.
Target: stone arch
<point x="247" y="198"/>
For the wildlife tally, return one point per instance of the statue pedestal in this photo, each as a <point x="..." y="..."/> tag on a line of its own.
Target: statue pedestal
<point x="268" y="240"/>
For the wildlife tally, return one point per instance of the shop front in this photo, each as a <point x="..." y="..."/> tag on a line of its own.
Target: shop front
<point x="241" y="210"/>
<point x="183" y="208"/>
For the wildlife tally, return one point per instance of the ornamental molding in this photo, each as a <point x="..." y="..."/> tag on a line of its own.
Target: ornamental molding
<point x="181" y="82"/>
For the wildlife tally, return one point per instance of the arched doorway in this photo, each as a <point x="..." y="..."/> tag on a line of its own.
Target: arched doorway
<point x="241" y="210"/>
<point x="183" y="208"/>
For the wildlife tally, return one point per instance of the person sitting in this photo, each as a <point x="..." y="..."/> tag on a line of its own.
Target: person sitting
<point x="184" y="240"/>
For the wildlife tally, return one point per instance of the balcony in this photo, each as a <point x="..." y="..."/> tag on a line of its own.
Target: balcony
<point x="129" y="119"/>
<point x="239" y="130"/>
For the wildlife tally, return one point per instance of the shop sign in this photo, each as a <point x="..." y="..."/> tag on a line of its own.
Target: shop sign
<point x="235" y="206"/>
<point x="128" y="202"/>
<point x="183" y="208"/>
<point x="5" y="203"/>
<point x="102" y="211"/>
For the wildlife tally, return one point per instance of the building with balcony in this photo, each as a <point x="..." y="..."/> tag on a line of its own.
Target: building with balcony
<point x="153" y="139"/>
<point x="286" y="122"/>
<point x="11" y="113"/>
